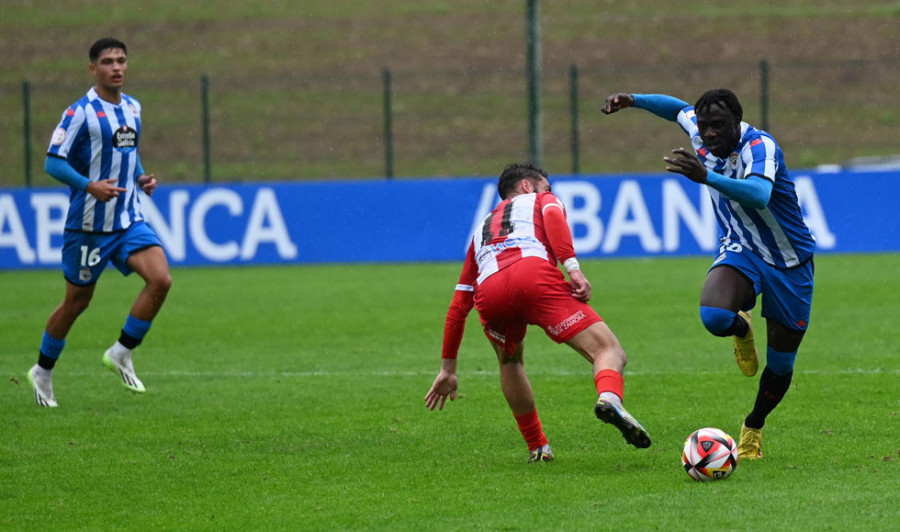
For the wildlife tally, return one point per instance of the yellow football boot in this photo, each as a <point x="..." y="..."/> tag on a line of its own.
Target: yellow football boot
<point x="745" y="349"/>
<point x="750" y="446"/>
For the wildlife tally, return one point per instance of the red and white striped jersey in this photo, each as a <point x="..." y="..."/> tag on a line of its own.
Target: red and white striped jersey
<point x="527" y="225"/>
<point x="512" y="231"/>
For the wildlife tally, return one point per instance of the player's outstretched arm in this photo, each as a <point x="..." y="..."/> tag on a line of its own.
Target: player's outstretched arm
<point x="617" y="102"/>
<point x="686" y="164"/>
<point x="661" y="105"/>
<point x="753" y="192"/>
<point x="444" y="386"/>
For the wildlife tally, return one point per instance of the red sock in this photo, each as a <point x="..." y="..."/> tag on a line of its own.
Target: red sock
<point x="530" y="427"/>
<point x="609" y="380"/>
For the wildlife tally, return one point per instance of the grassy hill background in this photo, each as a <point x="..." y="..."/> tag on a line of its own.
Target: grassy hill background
<point x="296" y="87"/>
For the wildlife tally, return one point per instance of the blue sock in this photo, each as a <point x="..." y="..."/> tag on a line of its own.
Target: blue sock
<point x="51" y="347"/>
<point x="133" y="332"/>
<point x="780" y="363"/>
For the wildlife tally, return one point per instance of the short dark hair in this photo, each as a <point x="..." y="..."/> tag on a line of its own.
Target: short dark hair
<point x="515" y="172"/>
<point x="105" y="44"/>
<point x="722" y="97"/>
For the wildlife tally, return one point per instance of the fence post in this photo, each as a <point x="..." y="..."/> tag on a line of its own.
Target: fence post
<point x="388" y="129"/>
<point x="764" y="94"/>
<point x="573" y="107"/>
<point x="535" y="142"/>
<point x="207" y="161"/>
<point x="26" y="107"/>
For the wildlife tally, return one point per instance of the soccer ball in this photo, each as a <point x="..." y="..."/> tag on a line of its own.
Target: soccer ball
<point x="709" y="454"/>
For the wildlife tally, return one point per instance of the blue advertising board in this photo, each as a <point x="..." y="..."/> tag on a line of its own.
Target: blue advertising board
<point x="431" y="219"/>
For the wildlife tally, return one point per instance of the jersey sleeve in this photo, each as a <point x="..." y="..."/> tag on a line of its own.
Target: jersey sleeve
<point x="66" y="132"/>
<point x="687" y="119"/>
<point x="662" y="105"/>
<point x="62" y="171"/>
<point x="557" y="228"/>
<point x="460" y="306"/>
<point x="759" y="158"/>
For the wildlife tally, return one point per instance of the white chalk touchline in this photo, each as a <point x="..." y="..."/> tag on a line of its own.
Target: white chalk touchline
<point x="492" y="373"/>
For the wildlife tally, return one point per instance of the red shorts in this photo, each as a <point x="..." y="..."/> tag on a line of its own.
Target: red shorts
<point x="530" y="291"/>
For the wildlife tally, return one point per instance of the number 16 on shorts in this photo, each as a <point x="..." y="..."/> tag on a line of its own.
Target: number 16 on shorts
<point x="89" y="257"/>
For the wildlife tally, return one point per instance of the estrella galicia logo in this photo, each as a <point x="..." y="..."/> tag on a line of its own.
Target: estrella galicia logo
<point x="125" y="139"/>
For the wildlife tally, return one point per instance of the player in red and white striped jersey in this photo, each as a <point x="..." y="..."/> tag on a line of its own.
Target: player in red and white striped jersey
<point x="511" y="276"/>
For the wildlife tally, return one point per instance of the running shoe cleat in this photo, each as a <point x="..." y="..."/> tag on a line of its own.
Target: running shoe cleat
<point x="750" y="446"/>
<point x="745" y="349"/>
<point x="43" y="389"/>
<point x="615" y="414"/>
<point x="541" y="454"/>
<point x="125" y="371"/>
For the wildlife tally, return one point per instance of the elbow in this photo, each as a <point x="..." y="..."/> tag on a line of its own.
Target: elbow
<point x="760" y="194"/>
<point x="759" y="203"/>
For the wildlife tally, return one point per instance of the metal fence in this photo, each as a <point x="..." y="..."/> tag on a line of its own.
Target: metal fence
<point x="458" y="123"/>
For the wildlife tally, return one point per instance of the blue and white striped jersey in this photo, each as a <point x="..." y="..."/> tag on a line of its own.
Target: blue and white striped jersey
<point x="100" y="140"/>
<point x="777" y="233"/>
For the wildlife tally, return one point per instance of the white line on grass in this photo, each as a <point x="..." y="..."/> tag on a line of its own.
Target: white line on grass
<point x="554" y="373"/>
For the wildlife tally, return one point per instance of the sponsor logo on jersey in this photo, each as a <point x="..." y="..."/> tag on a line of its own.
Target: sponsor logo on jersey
<point x="133" y="110"/>
<point x="513" y="243"/>
<point x="70" y="112"/>
<point x="59" y="136"/>
<point x="124" y="138"/>
<point x="561" y="327"/>
<point x="755" y="142"/>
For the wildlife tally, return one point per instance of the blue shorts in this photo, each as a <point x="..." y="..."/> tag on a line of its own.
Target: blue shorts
<point x="786" y="294"/>
<point x="85" y="255"/>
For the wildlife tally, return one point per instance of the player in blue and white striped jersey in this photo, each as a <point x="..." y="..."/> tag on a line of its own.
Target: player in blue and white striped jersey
<point x="766" y="247"/>
<point x="94" y="150"/>
<point x="98" y="139"/>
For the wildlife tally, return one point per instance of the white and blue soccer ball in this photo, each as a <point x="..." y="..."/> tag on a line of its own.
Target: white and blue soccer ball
<point x="709" y="454"/>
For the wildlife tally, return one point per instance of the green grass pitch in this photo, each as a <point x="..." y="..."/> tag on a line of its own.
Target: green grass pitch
<point x="291" y="398"/>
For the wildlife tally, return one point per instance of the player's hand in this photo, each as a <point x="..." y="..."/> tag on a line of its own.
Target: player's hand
<point x="617" y="102"/>
<point x="104" y="190"/>
<point x="444" y="386"/>
<point x="147" y="183"/>
<point x="581" y="288"/>
<point x="686" y="164"/>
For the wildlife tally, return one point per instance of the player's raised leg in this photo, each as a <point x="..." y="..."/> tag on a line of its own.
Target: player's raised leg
<point x="725" y="293"/>
<point x="598" y="344"/>
<point x="152" y="266"/>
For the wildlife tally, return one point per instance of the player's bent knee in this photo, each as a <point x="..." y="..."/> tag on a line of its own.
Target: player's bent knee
<point x="165" y="283"/>
<point x="77" y="302"/>
<point x="717" y="320"/>
<point x="780" y="363"/>
<point x="77" y="306"/>
<point x="598" y="341"/>
<point x="159" y="283"/>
